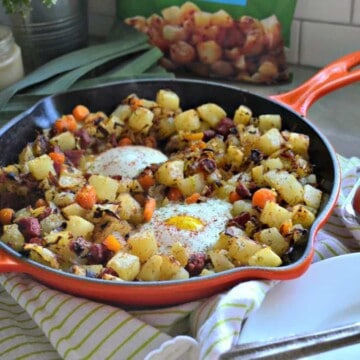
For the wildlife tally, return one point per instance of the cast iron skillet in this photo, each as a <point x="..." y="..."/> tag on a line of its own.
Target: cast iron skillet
<point x="291" y="106"/>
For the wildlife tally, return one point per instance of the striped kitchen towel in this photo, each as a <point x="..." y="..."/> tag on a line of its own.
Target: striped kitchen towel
<point x="41" y="323"/>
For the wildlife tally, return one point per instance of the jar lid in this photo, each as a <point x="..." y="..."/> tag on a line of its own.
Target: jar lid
<point x="6" y="40"/>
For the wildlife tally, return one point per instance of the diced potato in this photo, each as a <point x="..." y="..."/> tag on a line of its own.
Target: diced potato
<point x="180" y="253"/>
<point x="86" y="270"/>
<point x="220" y="260"/>
<point x="122" y="112"/>
<point x="211" y="113"/>
<point x="129" y="208"/>
<point x="169" y="267"/>
<point x="202" y="19"/>
<point x="127" y="266"/>
<point x="270" y="142"/>
<point x="51" y="222"/>
<point x="63" y="198"/>
<point x="73" y="209"/>
<point x="26" y="155"/>
<point x="188" y="8"/>
<point x="141" y="120"/>
<point x="181" y="274"/>
<point x="71" y="179"/>
<point x="265" y="257"/>
<point x="151" y="270"/>
<point x="143" y="245"/>
<point x="223" y="192"/>
<point x="241" y="248"/>
<point x="168" y="99"/>
<point x="299" y="143"/>
<point x="111" y="226"/>
<point x="41" y="167"/>
<point x="249" y="137"/>
<point x="78" y="226"/>
<point x="187" y="121"/>
<point x="166" y="127"/>
<point x="225" y="238"/>
<point x="286" y="185"/>
<point x="241" y="206"/>
<point x="13" y="237"/>
<point x="234" y="156"/>
<point x="106" y="187"/>
<point x="171" y="14"/>
<point x="303" y="216"/>
<point x="274" y="239"/>
<point x="272" y="164"/>
<point x="65" y="141"/>
<point x="258" y="175"/>
<point x="170" y="172"/>
<point x="269" y="121"/>
<point x="113" y="125"/>
<point x="312" y="196"/>
<point x="192" y="184"/>
<point x="274" y="215"/>
<point x="242" y="115"/>
<point x="42" y="255"/>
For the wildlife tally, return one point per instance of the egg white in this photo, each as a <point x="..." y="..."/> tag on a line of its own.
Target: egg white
<point x="213" y="214"/>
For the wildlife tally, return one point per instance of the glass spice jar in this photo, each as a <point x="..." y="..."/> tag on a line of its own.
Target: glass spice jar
<point x="11" y="64"/>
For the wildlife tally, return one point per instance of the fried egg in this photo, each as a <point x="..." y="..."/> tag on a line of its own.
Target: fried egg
<point x="126" y="161"/>
<point x="197" y="226"/>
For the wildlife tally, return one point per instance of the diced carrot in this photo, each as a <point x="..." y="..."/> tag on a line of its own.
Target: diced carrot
<point x="112" y="243"/>
<point x="174" y="194"/>
<point x="40" y="202"/>
<point x="194" y="136"/>
<point x="149" y="208"/>
<point x="57" y="157"/>
<point x="198" y="145"/>
<point x="80" y="112"/>
<point x="6" y="216"/>
<point x="193" y="198"/>
<point x="86" y="197"/>
<point x="234" y="196"/>
<point x="146" y="181"/>
<point x="125" y="141"/>
<point x="262" y="196"/>
<point x="65" y="123"/>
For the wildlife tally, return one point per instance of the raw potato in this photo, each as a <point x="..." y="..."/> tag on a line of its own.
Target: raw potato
<point x="265" y="257"/>
<point x="126" y="265"/>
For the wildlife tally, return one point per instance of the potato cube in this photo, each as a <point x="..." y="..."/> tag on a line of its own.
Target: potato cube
<point x="143" y="245"/>
<point x="13" y="237"/>
<point x="65" y="141"/>
<point x="141" y="120"/>
<point x="129" y="208"/>
<point x="270" y="142"/>
<point x="78" y="226"/>
<point x="151" y="270"/>
<point x="241" y="248"/>
<point x="113" y="125"/>
<point x="286" y="185"/>
<point x="265" y="257"/>
<point x="209" y="51"/>
<point x="269" y="121"/>
<point x="171" y="14"/>
<point x="211" y="113"/>
<point x="122" y="112"/>
<point x="192" y="184"/>
<point x="73" y="209"/>
<point x="274" y="215"/>
<point x="220" y="260"/>
<point x="299" y="143"/>
<point x="180" y="253"/>
<point x="127" y="266"/>
<point x="222" y="18"/>
<point x="169" y="267"/>
<point x="312" y="196"/>
<point x="41" y="167"/>
<point x="106" y="187"/>
<point x="168" y="99"/>
<point x="257" y="173"/>
<point x="42" y="255"/>
<point x="273" y="238"/>
<point x="181" y="274"/>
<point x="242" y="115"/>
<point x="202" y="19"/>
<point x="187" y="121"/>
<point x="272" y="164"/>
<point x="170" y="172"/>
<point x="303" y="216"/>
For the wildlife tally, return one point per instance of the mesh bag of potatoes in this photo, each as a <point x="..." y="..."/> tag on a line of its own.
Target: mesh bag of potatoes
<point x="237" y="40"/>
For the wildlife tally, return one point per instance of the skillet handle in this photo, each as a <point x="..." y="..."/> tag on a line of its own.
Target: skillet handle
<point x="332" y="77"/>
<point x="8" y="264"/>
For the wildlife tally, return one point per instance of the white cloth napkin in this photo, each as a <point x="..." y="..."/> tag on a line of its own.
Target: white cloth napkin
<point x="37" y="322"/>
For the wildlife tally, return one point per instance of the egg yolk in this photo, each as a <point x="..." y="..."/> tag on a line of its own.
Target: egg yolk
<point x="185" y="222"/>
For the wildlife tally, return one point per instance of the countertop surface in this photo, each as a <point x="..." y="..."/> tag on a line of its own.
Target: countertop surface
<point x="336" y="115"/>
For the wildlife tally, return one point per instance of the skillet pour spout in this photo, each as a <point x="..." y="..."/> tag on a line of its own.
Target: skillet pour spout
<point x="291" y="106"/>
